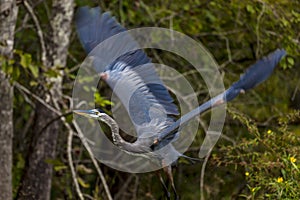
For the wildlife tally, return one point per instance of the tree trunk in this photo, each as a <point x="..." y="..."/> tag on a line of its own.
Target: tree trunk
<point x="8" y="16"/>
<point x="36" y="183"/>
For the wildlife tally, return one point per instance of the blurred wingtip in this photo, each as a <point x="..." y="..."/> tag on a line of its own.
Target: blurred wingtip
<point x="277" y="54"/>
<point x="255" y="74"/>
<point x="86" y="12"/>
<point x="281" y="51"/>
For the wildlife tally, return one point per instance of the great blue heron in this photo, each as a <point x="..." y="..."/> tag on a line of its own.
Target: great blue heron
<point x="94" y="27"/>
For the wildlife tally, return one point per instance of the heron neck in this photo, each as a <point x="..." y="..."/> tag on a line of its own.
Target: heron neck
<point x="117" y="139"/>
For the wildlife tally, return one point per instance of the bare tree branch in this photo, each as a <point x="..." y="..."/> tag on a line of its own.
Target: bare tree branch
<point x="70" y="160"/>
<point x="40" y="100"/>
<point x="257" y="29"/>
<point x="38" y="30"/>
<point x="86" y="145"/>
<point x="202" y="175"/>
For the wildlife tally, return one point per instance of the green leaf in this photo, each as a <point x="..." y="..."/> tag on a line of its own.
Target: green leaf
<point x="59" y="168"/>
<point x="25" y="60"/>
<point x="285" y="22"/>
<point x="101" y="101"/>
<point x="86" y="88"/>
<point x="33" y="83"/>
<point x="291" y="61"/>
<point x="15" y="73"/>
<point x="283" y="173"/>
<point x="4" y="65"/>
<point x="295" y="166"/>
<point x="83" y="169"/>
<point x="72" y="76"/>
<point x="69" y="118"/>
<point x="34" y="70"/>
<point x="250" y="9"/>
<point x="82" y="183"/>
<point x="52" y="73"/>
<point x="21" y="162"/>
<point x="54" y="162"/>
<point x="186" y="7"/>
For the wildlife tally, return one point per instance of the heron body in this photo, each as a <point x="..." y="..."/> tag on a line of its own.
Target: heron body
<point x="133" y="79"/>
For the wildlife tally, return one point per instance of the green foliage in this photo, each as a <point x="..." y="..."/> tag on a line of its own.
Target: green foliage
<point x="26" y="63"/>
<point x="82" y="183"/>
<point x="270" y="159"/>
<point x="7" y="66"/>
<point x="100" y="101"/>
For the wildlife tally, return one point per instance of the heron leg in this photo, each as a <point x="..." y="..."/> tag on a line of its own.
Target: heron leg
<point x="164" y="186"/>
<point x="168" y="171"/>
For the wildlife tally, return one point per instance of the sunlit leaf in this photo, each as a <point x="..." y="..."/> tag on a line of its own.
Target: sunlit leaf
<point x="82" y="183"/>
<point x="25" y="60"/>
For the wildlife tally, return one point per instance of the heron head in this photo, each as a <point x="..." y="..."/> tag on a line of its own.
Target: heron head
<point x="93" y="113"/>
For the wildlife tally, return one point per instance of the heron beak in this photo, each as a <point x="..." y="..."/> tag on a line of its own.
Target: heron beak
<point x="86" y="113"/>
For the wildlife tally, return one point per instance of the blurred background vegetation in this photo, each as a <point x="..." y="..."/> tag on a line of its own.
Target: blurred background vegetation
<point x="258" y="156"/>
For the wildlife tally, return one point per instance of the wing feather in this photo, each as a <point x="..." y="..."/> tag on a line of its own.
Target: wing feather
<point x="254" y="75"/>
<point x="141" y="105"/>
<point x="133" y="69"/>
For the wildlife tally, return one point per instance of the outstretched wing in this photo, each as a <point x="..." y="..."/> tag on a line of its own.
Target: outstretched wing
<point x="254" y="75"/>
<point x="140" y="103"/>
<point x="131" y="75"/>
<point x="93" y="27"/>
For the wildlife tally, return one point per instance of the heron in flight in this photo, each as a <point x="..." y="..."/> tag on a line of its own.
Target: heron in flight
<point x="155" y="132"/>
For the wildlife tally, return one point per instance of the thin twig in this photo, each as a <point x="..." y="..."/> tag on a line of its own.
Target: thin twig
<point x="70" y="160"/>
<point x="135" y="188"/>
<point x="257" y="30"/>
<point x="202" y="175"/>
<point x="295" y="91"/>
<point x="39" y="30"/>
<point x="202" y="34"/>
<point x="227" y="48"/>
<point x="121" y="13"/>
<point x="148" y="11"/>
<point x="22" y="88"/>
<point x="26" y="98"/>
<point x="84" y="142"/>
<point x="124" y="187"/>
<point x="24" y="24"/>
<point x="60" y="116"/>
<point x="28" y="124"/>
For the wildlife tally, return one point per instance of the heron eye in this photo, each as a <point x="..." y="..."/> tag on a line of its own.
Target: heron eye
<point x="94" y="115"/>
